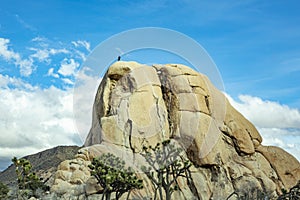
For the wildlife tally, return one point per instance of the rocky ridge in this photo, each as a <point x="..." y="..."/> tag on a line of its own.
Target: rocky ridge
<point x="139" y="105"/>
<point x="44" y="163"/>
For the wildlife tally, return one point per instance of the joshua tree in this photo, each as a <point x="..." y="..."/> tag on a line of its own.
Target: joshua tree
<point x="112" y="176"/>
<point x="28" y="181"/>
<point x="166" y="166"/>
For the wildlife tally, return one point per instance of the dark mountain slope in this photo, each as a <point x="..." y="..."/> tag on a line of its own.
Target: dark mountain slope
<point x="44" y="162"/>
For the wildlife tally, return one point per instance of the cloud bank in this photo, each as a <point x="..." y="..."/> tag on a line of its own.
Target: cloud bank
<point x="34" y="119"/>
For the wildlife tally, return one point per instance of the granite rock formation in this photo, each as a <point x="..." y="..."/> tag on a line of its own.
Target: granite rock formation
<point x="138" y="105"/>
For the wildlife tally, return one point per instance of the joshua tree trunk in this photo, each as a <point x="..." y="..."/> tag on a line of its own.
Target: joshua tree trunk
<point x="108" y="196"/>
<point x="168" y="195"/>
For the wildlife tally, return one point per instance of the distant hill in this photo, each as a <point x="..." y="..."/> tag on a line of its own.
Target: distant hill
<point x="44" y="162"/>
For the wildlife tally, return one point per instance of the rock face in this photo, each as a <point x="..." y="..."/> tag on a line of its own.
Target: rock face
<point x="138" y="105"/>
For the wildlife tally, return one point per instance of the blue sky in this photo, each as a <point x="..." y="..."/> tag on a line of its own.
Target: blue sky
<point x="255" y="45"/>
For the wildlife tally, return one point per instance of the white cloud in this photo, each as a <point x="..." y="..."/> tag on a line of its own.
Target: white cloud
<point x="81" y="55"/>
<point x="51" y="73"/>
<point x="82" y="43"/>
<point x="278" y="124"/>
<point x="40" y="54"/>
<point x="57" y="51"/>
<point x="68" y="67"/>
<point x="67" y="81"/>
<point x="267" y="114"/>
<point x="6" y="82"/>
<point x="7" y="53"/>
<point x="43" y="55"/>
<point x="39" y="39"/>
<point x="26" y="65"/>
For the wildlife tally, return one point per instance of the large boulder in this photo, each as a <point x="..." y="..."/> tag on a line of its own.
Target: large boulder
<point x="138" y="105"/>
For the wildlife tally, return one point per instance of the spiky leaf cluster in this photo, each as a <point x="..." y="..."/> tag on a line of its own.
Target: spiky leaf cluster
<point x="166" y="165"/>
<point x="112" y="175"/>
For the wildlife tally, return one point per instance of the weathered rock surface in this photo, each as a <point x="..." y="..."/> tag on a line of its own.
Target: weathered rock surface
<point x="139" y="105"/>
